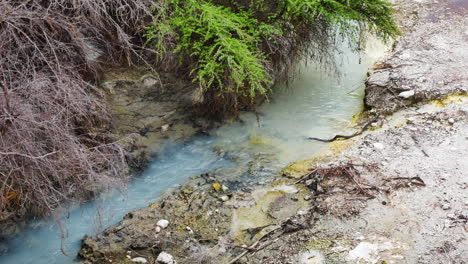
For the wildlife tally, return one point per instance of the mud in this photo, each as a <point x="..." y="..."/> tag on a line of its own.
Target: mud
<point x="149" y="109"/>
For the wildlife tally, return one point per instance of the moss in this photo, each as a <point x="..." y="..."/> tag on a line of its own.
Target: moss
<point x="298" y="169"/>
<point x="326" y="246"/>
<point x="259" y="140"/>
<point x="455" y="98"/>
<point x="339" y="146"/>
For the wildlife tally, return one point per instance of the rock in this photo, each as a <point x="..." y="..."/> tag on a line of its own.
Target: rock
<point x="163" y="223"/>
<point x="158" y="229"/>
<point x="381" y="78"/>
<point x="216" y="186"/>
<point x="139" y="260"/>
<point x="149" y="80"/>
<point x="446" y="207"/>
<point x="451" y="121"/>
<point x="165" y="258"/>
<point x="302" y="212"/>
<point x="378" y="145"/>
<point x="165" y="128"/>
<point x="406" y="94"/>
<point x="224" y="198"/>
<point x="189" y="229"/>
<point x="224" y="188"/>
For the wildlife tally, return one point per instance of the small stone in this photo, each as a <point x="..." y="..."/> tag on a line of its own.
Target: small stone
<point x="451" y="121"/>
<point x="406" y="94"/>
<point x="139" y="260"/>
<point x="413" y="129"/>
<point x="309" y="182"/>
<point x="129" y="257"/>
<point x="189" y="229"/>
<point x="446" y="207"/>
<point x="224" y="188"/>
<point x="216" y="186"/>
<point x="163" y="223"/>
<point x="165" y="258"/>
<point x="378" y="145"/>
<point x="165" y="127"/>
<point x="302" y="212"/>
<point x="149" y="80"/>
<point x="158" y="229"/>
<point x="224" y="198"/>
<point x="307" y="198"/>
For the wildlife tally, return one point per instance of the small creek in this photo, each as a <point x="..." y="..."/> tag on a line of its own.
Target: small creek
<point x="316" y="104"/>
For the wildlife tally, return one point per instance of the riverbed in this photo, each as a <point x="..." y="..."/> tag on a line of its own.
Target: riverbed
<point x="317" y="103"/>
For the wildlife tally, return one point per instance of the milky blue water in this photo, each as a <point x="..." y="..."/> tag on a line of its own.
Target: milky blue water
<point x="316" y="104"/>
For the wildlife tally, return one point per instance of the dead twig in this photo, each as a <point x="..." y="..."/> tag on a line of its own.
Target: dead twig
<point x="307" y="175"/>
<point x="364" y="128"/>
<point x="253" y="246"/>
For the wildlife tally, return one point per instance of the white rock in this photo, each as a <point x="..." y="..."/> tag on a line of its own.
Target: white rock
<point x="302" y="212"/>
<point x="189" y="229"/>
<point x="164" y="128"/>
<point x="451" y="121"/>
<point x="224" y="188"/>
<point x="163" y="223"/>
<point x="165" y="258"/>
<point x="406" y="94"/>
<point x="378" y="145"/>
<point x="149" y="80"/>
<point x="158" y="229"/>
<point x="224" y="198"/>
<point x="139" y="260"/>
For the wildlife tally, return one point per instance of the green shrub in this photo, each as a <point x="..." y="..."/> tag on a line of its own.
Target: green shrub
<point x="228" y="43"/>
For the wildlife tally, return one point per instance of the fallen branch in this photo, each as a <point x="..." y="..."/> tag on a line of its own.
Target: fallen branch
<point x="307" y="175"/>
<point x="364" y="128"/>
<point x="253" y="246"/>
<point x="351" y="176"/>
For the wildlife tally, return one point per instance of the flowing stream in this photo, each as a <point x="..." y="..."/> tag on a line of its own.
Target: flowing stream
<point x="315" y="104"/>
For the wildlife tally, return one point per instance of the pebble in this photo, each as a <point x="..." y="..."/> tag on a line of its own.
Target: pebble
<point x="189" y="229"/>
<point x="406" y="94"/>
<point x="224" y="188"/>
<point x="139" y="260"/>
<point x="163" y="223"/>
<point x="451" y="121"/>
<point x="302" y="212"/>
<point x="224" y="198"/>
<point x="164" y="128"/>
<point x="446" y="207"/>
<point x="216" y="186"/>
<point x="378" y="145"/>
<point x="158" y="229"/>
<point x="165" y="258"/>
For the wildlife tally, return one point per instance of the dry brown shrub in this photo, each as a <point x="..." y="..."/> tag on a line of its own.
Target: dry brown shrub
<point x="50" y="52"/>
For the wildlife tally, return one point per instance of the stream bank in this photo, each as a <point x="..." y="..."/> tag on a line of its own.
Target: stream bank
<point x="396" y="194"/>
